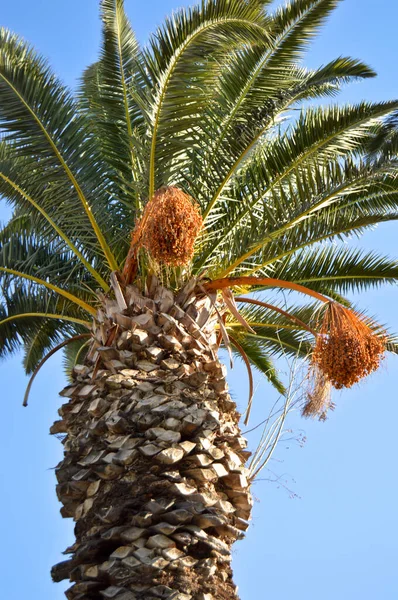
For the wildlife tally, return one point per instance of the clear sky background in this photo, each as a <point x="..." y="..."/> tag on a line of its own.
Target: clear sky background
<point x="339" y="539"/>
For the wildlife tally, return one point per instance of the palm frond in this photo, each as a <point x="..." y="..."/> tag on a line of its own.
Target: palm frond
<point x="39" y="115"/>
<point x="251" y="99"/>
<point x="319" y="133"/>
<point x="181" y="63"/>
<point x="22" y="325"/>
<point x="276" y="334"/>
<point x="109" y="95"/>
<point x="48" y="355"/>
<point x="16" y="172"/>
<point x="338" y="268"/>
<point x="74" y="353"/>
<point x="296" y="24"/>
<point x="44" y="263"/>
<point x="385" y="141"/>
<point x="218" y="105"/>
<point x="287" y="171"/>
<point x="320" y="207"/>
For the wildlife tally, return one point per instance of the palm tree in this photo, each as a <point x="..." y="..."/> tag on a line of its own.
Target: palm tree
<point x="179" y="179"/>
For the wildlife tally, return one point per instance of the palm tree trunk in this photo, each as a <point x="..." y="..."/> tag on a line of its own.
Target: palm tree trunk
<point x="154" y="471"/>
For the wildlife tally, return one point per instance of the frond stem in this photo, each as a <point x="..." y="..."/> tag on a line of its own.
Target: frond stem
<point x="62" y="235"/>
<point x="46" y="316"/>
<point x="105" y="248"/>
<point x="163" y="91"/>
<point x="309" y="212"/>
<point x="87" y="307"/>
<point x="124" y="87"/>
<point x="45" y="359"/>
<point x="276" y="309"/>
<point x="299" y="160"/>
<point x="219" y="284"/>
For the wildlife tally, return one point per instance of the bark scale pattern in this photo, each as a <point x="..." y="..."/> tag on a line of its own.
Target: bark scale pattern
<point x="154" y="471"/>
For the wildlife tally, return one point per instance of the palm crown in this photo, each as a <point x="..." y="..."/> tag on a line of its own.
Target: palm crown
<point x="206" y="107"/>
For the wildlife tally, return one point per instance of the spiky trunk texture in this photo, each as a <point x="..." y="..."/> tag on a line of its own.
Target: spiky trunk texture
<point x="154" y="471"/>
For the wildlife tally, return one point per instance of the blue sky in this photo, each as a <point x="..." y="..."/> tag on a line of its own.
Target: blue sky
<point x="340" y="538"/>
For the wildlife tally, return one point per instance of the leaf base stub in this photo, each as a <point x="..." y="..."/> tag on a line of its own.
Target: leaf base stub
<point x="154" y="471"/>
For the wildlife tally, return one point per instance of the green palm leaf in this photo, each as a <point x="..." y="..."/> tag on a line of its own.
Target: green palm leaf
<point x="109" y="95"/>
<point x="289" y="166"/>
<point x="341" y="269"/>
<point x="36" y="321"/>
<point x="74" y="353"/>
<point x="219" y="104"/>
<point x="191" y="38"/>
<point x="39" y="114"/>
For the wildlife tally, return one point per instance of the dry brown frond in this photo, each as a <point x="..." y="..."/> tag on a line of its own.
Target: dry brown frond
<point x="169" y="226"/>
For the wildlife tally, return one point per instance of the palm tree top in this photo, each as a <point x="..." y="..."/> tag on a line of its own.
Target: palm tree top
<point x="219" y="106"/>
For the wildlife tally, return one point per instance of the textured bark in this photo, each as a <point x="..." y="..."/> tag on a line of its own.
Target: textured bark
<point x="154" y="471"/>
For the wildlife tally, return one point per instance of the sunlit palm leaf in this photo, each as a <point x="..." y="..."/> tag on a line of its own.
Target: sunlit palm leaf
<point x="209" y="105"/>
